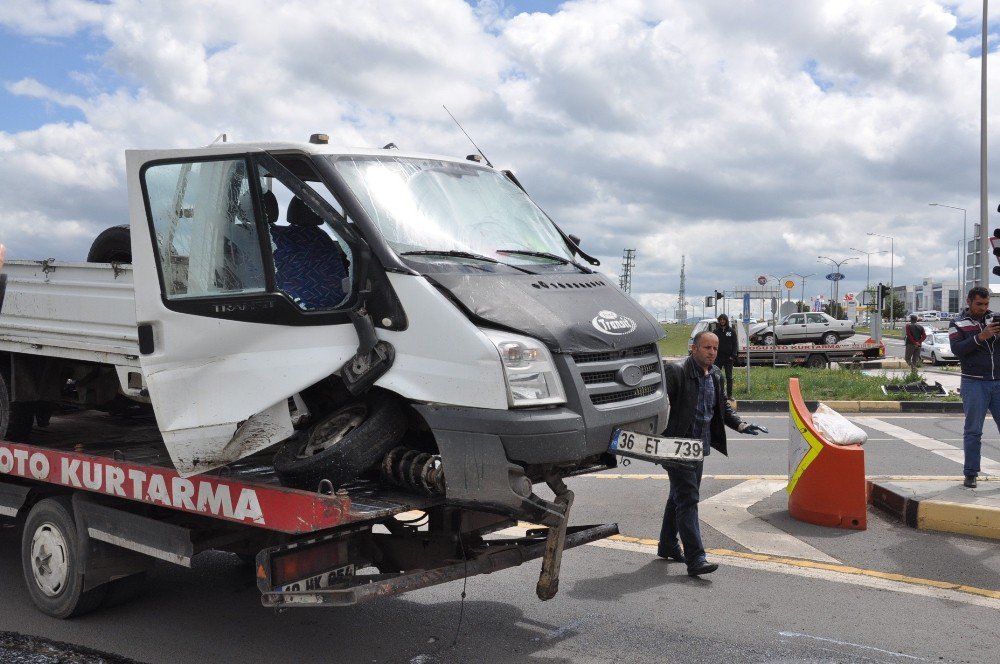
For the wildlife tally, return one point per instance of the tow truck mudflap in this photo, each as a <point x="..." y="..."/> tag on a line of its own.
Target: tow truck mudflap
<point x="340" y="587"/>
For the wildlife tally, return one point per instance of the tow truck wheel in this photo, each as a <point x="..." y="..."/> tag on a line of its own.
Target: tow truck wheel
<point x="50" y="558"/>
<point x="342" y="445"/>
<point x="830" y="338"/>
<point x="817" y="361"/>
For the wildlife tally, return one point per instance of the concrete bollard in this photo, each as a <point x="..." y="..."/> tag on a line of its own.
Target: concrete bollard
<point x="826" y="482"/>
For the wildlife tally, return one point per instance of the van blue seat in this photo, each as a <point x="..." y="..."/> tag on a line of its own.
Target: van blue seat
<point x="310" y="267"/>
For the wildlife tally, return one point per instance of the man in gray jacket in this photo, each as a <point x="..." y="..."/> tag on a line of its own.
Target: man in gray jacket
<point x="698" y="409"/>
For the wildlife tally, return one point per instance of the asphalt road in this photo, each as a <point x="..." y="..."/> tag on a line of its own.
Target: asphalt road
<point x="617" y="602"/>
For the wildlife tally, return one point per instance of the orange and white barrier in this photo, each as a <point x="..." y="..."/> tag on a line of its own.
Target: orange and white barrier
<point x="826" y="482"/>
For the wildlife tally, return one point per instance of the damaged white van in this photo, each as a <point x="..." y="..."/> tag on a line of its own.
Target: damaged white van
<point x="368" y="314"/>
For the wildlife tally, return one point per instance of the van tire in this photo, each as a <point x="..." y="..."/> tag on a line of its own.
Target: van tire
<point x="51" y="561"/>
<point x="113" y="245"/>
<point x="342" y="445"/>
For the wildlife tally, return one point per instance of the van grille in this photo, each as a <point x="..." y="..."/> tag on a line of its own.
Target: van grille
<point x="599" y="373"/>
<point x="615" y="397"/>
<point x="594" y="377"/>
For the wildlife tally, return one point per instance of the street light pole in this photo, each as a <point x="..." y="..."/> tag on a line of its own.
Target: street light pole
<point x="962" y="280"/>
<point x="983" y="232"/>
<point x="802" y="297"/>
<point x="868" y="279"/>
<point x="836" y="282"/>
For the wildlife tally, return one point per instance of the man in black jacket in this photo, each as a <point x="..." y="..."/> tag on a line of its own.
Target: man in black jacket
<point x="3" y="277"/>
<point x="698" y="409"/>
<point x="729" y="346"/>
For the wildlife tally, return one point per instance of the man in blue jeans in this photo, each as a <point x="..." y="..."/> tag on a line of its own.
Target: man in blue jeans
<point x="973" y="337"/>
<point x="698" y="409"/>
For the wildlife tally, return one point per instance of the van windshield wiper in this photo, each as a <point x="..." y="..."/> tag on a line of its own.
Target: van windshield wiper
<point x="448" y="252"/>
<point x="462" y="254"/>
<point x="541" y="254"/>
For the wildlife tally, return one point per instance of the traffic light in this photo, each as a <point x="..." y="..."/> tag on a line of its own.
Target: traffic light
<point x="718" y="295"/>
<point x="883" y="292"/>
<point x="995" y="243"/>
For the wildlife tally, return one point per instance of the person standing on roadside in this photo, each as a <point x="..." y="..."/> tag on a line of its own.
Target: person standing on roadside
<point x="698" y="409"/>
<point x="915" y="335"/>
<point x="973" y="337"/>
<point x="729" y="346"/>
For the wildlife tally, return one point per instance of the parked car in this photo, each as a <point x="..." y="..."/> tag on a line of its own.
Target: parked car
<point x="806" y="326"/>
<point x="937" y="348"/>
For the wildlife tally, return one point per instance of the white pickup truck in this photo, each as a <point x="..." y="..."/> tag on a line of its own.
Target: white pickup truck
<point x="336" y="319"/>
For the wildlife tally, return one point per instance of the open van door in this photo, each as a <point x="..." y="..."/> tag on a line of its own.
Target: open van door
<point x="224" y="345"/>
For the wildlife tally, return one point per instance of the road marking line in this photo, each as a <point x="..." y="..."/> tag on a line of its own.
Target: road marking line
<point x="825" y="571"/>
<point x="853" y="645"/>
<point x="938" y="447"/>
<point x="728" y="513"/>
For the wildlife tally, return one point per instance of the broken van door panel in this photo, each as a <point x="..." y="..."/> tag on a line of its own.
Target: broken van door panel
<point x="255" y="284"/>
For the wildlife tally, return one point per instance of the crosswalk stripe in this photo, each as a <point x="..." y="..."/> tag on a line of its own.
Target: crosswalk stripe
<point x="950" y="452"/>
<point x="728" y="513"/>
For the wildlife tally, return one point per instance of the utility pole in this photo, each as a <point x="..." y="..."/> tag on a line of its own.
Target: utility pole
<point x="681" y="302"/>
<point x="625" y="280"/>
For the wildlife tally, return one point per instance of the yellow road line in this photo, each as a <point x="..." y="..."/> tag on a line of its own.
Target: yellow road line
<point x="844" y="569"/>
<point x="663" y="476"/>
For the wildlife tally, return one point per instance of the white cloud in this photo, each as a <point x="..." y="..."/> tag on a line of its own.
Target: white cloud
<point x="750" y="137"/>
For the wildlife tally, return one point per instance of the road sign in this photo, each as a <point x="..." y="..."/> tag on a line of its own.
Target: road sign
<point x="834" y="276"/>
<point x="789" y="284"/>
<point x="746" y="306"/>
<point x="762" y="280"/>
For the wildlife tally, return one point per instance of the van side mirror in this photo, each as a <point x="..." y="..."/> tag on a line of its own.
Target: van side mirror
<point x="575" y="239"/>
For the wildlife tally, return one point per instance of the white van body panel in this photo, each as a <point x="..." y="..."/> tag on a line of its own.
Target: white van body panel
<point x="469" y="375"/>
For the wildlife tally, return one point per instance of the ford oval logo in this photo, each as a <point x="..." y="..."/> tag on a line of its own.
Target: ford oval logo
<point x="610" y="322"/>
<point x="630" y="375"/>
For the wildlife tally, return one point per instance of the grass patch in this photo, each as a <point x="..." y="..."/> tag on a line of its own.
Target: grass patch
<point x="771" y="383"/>
<point x="676" y="343"/>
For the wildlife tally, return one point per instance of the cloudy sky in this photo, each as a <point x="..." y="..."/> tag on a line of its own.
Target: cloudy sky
<point x="749" y="136"/>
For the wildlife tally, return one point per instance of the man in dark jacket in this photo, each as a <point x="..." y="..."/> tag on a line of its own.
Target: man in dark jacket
<point x="973" y="338"/>
<point x="729" y="346"/>
<point x="915" y="335"/>
<point x="3" y="277"/>
<point x="698" y="409"/>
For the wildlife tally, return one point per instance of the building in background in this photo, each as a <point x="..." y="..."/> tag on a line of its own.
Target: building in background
<point x="930" y="295"/>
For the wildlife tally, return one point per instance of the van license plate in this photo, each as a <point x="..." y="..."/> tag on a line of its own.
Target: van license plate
<point x="655" y="448"/>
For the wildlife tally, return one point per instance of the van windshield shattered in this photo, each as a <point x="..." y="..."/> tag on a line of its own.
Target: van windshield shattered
<point x="452" y="211"/>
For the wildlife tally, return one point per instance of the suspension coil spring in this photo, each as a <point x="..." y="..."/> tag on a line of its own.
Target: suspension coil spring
<point x="415" y="470"/>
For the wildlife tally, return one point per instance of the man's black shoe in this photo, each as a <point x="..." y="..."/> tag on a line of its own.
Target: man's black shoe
<point x="671" y="555"/>
<point x="970" y="481"/>
<point x="704" y="567"/>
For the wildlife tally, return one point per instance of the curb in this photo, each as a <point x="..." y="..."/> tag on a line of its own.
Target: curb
<point x="938" y="515"/>
<point x="775" y="406"/>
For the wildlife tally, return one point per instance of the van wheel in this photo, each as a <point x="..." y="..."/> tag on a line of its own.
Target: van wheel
<point x="342" y="445"/>
<point x="50" y="558"/>
<point x="113" y="245"/>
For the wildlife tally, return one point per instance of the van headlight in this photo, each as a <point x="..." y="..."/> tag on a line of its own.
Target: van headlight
<point x="532" y="378"/>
